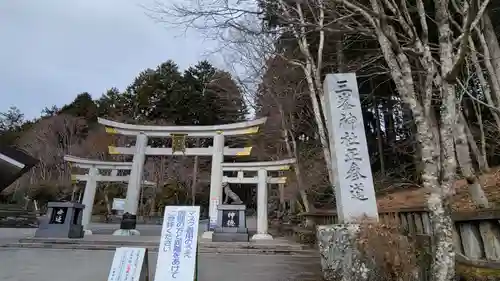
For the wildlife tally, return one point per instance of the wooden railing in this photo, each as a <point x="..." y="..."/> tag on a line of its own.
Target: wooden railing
<point x="476" y="233"/>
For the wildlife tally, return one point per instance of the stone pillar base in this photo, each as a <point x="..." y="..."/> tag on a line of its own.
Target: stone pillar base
<point x="340" y="260"/>
<point x="261" y="236"/>
<point x="126" y="232"/>
<point x="207" y="235"/>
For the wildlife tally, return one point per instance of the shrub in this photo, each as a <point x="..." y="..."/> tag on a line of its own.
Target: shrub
<point x="392" y="255"/>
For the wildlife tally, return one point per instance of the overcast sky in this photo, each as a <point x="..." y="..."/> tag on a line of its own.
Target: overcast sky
<point x="52" y="50"/>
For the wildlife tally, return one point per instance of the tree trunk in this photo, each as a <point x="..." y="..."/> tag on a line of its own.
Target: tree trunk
<point x="73" y="193"/>
<point x="464" y="160"/>
<point x="106" y="200"/>
<point x="308" y="206"/>
<point x="492" y="42"/>
<point x="291" y="150"/>
<point x="480" y="159"/>
<point x="484" y="166"/>
<point x="482" y="81"/>
<point x="380" y="145"/>
<point x="495" y="83"/>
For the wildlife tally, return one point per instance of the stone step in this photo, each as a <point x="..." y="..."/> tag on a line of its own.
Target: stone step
<point x="202" y="248"/>
<point x="154" y="241"/>
<point x="275" y="247"/>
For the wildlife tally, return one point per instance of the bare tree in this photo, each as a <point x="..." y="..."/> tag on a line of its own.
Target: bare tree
<point x="394" y="29"/>
<point x="234" y="18"/>
<point x="48" y="141"/>
<point x="425" y="76"/>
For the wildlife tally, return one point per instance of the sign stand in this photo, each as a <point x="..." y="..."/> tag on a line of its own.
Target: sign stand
<point x="178" y="249"/>
<point x="129" y="264"/>
<point x="196" y="266"/>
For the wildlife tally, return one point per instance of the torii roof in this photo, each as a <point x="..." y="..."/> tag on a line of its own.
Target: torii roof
<point x="13" y="164"/>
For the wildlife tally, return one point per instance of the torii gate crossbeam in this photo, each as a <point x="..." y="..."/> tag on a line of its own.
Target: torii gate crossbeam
<point x="217" y="132"/>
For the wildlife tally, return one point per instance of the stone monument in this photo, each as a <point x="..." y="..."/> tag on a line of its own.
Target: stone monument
<point x="63" y="220"/>
<point x="231" y="224"/>
<point x="231" y="219"/>
<point x="354" y="191"/>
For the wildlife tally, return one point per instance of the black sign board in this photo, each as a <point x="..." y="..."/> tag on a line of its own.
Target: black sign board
<point x="58" y="215"/>
<point x="129" y="221"/>
<point x="230" y="218"/>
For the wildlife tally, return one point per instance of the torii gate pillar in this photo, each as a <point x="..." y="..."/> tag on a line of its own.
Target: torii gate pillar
<point x="262" y="220"/>
<point x="134" y="184"/>
<point x="216" y="180"/>
<point x="88" y="198"/>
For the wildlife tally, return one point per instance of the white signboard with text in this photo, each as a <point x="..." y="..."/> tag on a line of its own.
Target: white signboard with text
<point x="118" y="204"/>
<point x="129" y="264"/>
<point x="213" y="212"/>
<point x="179" y="240"/>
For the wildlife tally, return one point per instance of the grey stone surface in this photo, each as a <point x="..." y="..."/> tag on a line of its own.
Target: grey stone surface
<point x="11" y="238"/>
<point x="354" y="190"/>
<point x="340" y="260"/>
<point x="230" y="237"/>
<point x="104" y="229"/>
<point x="237" y="232"/>
<point x="70" y="224"/>
<point x="238" y="209"/>
<point x="58" y="265"/>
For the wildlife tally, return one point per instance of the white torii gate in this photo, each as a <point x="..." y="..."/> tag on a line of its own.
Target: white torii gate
<point x="262" y="179"/>
<point x="91" y="179"/>
<point x="217" y="132"/>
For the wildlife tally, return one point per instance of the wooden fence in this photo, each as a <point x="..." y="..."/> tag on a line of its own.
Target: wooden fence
<point x="476" y="233"/>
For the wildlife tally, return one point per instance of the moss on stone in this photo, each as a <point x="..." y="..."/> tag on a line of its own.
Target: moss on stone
<point x="468" y="272"/>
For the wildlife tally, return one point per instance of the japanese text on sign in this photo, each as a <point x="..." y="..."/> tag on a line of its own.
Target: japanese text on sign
<point x="176" y="259"/>
<point x="168" y="233"/>
<point x="352" y="156"/>
<point x="189" y="235"/>
<point x="176" y="262"/>
<point x="128" y="264"/>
